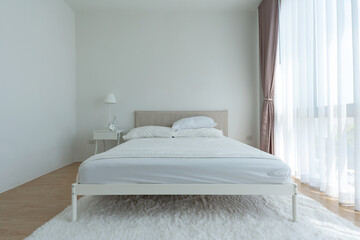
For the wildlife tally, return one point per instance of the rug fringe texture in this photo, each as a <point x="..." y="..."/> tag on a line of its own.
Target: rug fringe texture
<point x="196" y="217"/>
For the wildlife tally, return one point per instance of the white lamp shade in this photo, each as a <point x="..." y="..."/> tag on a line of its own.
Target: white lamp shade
<point x="110" y="98"/>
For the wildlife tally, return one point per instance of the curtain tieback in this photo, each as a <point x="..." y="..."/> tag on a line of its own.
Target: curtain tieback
<point x="268" y="99"/>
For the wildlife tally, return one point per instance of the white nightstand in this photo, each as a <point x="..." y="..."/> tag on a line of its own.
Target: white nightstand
<point x="106" y="135"/>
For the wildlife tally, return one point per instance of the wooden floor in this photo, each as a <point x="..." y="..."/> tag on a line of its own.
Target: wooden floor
<point x="330" y="203"/>
<point x="25" y="208"/>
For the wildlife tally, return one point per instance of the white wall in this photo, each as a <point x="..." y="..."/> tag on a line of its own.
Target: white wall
<point x="193" y="60"/>
<point x="37" y="89"/>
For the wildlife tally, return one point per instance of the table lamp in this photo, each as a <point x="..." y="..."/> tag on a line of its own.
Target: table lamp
<point x="110" y="99"/>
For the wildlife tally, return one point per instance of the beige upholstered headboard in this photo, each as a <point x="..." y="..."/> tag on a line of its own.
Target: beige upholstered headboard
<point x="166" y="118"/>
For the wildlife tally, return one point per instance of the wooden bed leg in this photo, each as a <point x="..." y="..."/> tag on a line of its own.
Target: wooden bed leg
<point x="73" y="203"/>
<point x="294" y="207"/>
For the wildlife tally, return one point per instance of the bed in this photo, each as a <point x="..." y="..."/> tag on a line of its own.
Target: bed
<point x="183" y="166"/>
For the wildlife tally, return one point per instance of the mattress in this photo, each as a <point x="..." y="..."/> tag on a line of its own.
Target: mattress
<point x="184" y="161"/>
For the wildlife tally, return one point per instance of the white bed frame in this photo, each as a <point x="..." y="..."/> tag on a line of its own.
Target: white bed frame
<point x="165" y="119"/>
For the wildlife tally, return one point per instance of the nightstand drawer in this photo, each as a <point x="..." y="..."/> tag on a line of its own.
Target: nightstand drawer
<point x="105" y="135"/>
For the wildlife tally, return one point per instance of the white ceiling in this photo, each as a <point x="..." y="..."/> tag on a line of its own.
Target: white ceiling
<point x="93" y="5"/>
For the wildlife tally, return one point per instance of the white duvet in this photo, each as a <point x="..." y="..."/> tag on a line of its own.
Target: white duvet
<point x="183" y="148"/>
<point x="184" y="160"/>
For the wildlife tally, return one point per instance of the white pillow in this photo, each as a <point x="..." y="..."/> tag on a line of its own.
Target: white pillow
<point x="194" y="123"/>
<point x="149" y="132"/>
<point x="200" y="132"/>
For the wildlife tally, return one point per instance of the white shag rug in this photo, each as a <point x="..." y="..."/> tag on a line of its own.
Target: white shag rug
<point x="196" y="217"/>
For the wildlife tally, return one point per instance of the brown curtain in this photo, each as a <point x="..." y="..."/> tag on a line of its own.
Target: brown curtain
<point x="268" y="39"/>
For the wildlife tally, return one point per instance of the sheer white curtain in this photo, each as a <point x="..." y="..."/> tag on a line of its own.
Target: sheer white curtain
<point x="317" y="95"/>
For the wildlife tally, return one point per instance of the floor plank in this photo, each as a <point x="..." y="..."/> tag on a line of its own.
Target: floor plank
<point x="25" y="208"/>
